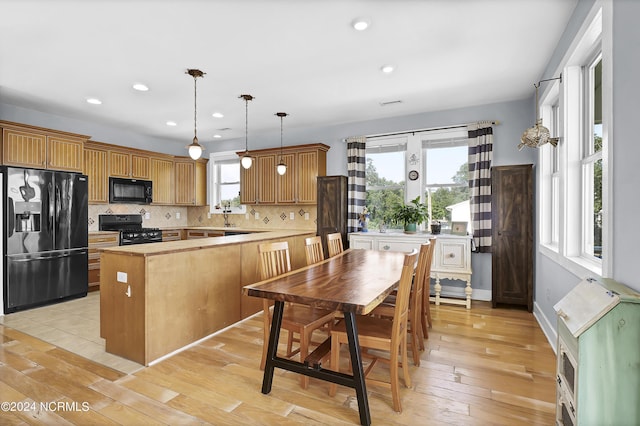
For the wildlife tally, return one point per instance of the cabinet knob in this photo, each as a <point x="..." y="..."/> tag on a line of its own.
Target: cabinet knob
<point x="386" y="247"/>
<point x="451" y="255"/>
<point x="562" y="314"/>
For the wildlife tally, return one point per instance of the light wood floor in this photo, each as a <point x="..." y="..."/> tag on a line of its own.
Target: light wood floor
<point x="484" y="366"/>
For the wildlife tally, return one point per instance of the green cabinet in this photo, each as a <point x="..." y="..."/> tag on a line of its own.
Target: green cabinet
<point x="598" y="367"/>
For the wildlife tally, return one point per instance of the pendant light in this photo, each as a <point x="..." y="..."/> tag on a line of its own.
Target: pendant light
<point x="538" y="135"/>
<point x="195" y="150"/>
<point x="246" y="159"/>
<point x="281" y="167"/>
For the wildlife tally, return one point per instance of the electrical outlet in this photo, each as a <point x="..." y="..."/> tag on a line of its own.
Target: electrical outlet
<point x="177" y="215"/>
<point x="257" y="216"/>
<point x="292" y="216"/>
<point x="306" y="216"/>
<point x="208" y="215"/>
<point x="147" y="215"/>
<point x="121" y="277"/>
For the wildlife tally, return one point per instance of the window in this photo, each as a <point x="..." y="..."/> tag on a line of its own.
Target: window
<point x="446" y="185"/>
<point x="385" y="181"/>
<point x="592" y="161"/>
<point x="440" y="158"/>
<point x="574" y="207"/>
<point x="225" y="183"/>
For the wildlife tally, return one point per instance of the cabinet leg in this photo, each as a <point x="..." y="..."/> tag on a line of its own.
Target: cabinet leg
<point x="468" y="292"/>
<point x="438" y="288"/>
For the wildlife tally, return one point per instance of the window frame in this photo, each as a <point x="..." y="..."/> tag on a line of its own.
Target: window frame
<point x="593" y="39"/>
<point x="215" y="160"/>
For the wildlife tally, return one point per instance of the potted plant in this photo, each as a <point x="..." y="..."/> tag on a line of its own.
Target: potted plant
<point x="410" y="215"/>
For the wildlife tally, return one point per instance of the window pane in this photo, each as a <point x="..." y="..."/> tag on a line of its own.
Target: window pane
<point x="555" y="209"/>
<point x="230" y="172"/>
<point x="597" y="209"/>
<point x="447" y="184"/>
<point x="230" y="194"/>
<point x="385" y="185"/>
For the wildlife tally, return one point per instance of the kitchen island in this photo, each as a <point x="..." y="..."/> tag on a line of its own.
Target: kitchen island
<point x="157" y="298"/>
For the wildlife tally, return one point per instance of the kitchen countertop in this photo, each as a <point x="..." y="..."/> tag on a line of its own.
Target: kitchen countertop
<point x="165" y="247"/>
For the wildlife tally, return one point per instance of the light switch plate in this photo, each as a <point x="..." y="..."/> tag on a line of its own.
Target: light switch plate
<point x="177" y="215"/>
<point x="306" y="216"/>
<point x="292" y="216"/>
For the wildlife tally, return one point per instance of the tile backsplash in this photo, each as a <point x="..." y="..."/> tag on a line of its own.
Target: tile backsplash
<point x="260" y="217"/>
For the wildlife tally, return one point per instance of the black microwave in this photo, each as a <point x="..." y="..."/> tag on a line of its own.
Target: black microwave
<point x="132" y="191"/>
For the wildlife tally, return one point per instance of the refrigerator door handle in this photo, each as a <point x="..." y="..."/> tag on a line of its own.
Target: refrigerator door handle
<point x="51" y="209"/>
<point x="12" y="217"/>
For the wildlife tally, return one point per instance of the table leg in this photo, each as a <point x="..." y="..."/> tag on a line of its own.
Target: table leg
<point x="272" y="350"/>
<point x="356" y="367"/>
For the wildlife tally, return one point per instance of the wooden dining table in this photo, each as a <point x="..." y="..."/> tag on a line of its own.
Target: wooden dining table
<point x="353" y="282"/>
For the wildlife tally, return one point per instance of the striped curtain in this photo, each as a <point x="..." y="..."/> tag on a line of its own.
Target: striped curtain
<point x="356" y="164"/>
<point x="480" y="155"/>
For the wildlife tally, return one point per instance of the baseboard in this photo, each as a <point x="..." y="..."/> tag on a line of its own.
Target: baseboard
<point x="546" y="326"/>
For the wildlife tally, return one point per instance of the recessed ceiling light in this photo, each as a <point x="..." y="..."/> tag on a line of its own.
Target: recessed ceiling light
<point x="387" y="69"/>
<point x="360" y="24"/>
<point x="140" y="87"/>
<point x="217" y="136"/>
<point x="217" y="115"/>
<point x="171" y="123"/>
<point x="94" y="101"/>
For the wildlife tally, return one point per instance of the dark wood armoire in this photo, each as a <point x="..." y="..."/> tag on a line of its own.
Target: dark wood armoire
<point x="512" y="235"/>
<point x="332" y="208"/>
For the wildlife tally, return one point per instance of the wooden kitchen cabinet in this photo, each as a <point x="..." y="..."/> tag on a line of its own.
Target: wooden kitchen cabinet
<point x="162" y="176"/>
<point x="191" y="182"/>
<point x="95" y="167"/>
<point x="30" y="146"/>
<point x="193" y="234"/>
<point x="98" y="240"/>
<point x="171" y="235"/>
<point x="261" y="183"/>
<point x="127" y="164"/>
<point x="512" y="235"/>
<point x="332" y="208"/>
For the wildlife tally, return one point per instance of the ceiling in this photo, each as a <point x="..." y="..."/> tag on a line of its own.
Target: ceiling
<point x="299" y="57"/>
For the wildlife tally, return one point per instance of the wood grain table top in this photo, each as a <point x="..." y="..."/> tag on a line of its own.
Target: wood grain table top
<point x="354" y="281"/>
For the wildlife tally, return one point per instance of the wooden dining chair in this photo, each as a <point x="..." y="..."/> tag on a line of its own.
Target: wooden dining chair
<point x="387" y="308"/>
<point x="425" y="317"/>
<point x="334" y="244"/>
<point x="313" y="250"/>
<point x="382" y="334"/>
<point x="274" y="260"/>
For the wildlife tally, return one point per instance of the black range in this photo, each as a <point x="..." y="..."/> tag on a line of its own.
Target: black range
<point x="130" y="228"/>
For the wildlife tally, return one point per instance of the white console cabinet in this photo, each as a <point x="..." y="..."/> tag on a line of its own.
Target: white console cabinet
<point x="451" y="260"/>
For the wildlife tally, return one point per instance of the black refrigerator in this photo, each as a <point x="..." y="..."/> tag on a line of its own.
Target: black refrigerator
<point x="45" y="236"/>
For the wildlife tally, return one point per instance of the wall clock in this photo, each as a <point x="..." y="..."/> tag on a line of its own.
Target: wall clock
<point x="413" y="175"/>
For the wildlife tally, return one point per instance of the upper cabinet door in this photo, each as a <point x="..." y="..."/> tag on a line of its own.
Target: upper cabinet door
<point x="308" y="170"/>
<point x="185" y="183"/>
<point x="22" y="148"/>
<point x="266" y="169"/>
<point x="140" y="166"/>
<point x="286" y="184"/>
<point x="162" y="178"/>
<point x="119" y="164"/>
<point x="65" y="154"/>
<point x="95" y="167"/>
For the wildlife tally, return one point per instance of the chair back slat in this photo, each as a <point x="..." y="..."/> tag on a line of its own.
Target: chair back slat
<point x="313" y="250"/>
<point x="401" y="311"/>
<point x="334" y="244"/>
<point x="273" y="259"/>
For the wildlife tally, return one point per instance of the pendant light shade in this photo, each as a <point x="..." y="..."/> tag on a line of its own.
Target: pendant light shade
<point x="246" y="161"/>
<point x="281" y="168"/>
<point x="195" y="149"/>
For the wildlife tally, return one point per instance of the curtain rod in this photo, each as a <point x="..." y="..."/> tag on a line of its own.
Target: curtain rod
<point x="431" y="129"/>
